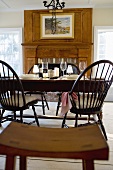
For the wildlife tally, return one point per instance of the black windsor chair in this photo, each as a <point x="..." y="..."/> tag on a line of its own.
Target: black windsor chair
<point x="91" y="92"/>
<point x="12" y="95"/>
<point x="40" y="95"/>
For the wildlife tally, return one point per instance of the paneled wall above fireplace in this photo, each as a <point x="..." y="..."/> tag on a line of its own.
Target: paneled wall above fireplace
<point x="78" y="48"/>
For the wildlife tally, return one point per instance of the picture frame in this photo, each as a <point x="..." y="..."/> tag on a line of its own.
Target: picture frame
<point x="64" y="29"/>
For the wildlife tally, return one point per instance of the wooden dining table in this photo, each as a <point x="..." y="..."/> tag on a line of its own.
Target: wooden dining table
<point x="58" y="85"/>
<point x="53" y="85"/>
<point x="46" y="85"/>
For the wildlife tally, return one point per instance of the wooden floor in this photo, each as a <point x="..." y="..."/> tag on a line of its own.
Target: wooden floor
<point x="66" y="164"/>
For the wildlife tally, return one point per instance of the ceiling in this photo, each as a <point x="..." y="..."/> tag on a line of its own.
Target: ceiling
<point x="14" y="5"/>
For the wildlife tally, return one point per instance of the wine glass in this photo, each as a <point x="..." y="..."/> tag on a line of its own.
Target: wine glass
<point x="63" y="66"/>
<point x="82" y="65"/>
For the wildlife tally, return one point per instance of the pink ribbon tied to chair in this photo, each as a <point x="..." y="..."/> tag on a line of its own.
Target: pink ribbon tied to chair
<point x="66" y="103"/>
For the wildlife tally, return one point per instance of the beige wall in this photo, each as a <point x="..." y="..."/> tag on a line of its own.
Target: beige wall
<point x="102" y="17"/>
<point x="11" y="19"/>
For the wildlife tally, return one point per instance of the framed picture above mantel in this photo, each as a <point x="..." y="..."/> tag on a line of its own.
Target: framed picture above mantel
<point x="64" y="26"/>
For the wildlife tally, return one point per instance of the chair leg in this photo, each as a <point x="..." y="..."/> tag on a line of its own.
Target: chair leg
<point x="64" y="120"/>
<point x="35" y="115"/>
<point x="1" y="115"/>
<point x="76" y="120"/>
<point x="43" y="107"/>
<point x="102" y="126"/>
<point x="23" y="163"/>
<point x="10" y="162"/>
<point x="88" y="164"/>
<point x="2" y="112"/>
<point x="14" y="115"/>
<point x="58" y="105"/>
<point x="21" y="116"/>
<point x="46" y="102"/>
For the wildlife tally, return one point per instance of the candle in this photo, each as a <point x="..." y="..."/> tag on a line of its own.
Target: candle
<point x="38" y="60"/>
<point x="56" y="72"/>
<point x="53" y="60"/>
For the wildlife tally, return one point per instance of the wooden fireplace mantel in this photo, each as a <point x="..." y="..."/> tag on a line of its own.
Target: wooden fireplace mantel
<point x="67" y="50"/>
<point x="79" y="47"/>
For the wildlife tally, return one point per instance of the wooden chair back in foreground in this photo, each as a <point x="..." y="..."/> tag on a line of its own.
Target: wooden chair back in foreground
<point x="86" y="143"/>
<point x="12" y="97"/>
<point x="91" y="92"/>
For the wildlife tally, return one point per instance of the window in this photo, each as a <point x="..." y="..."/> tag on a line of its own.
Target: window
<point x="11" y="49"/>
<point x="103" y="43"/>
<point x="103" y="48"/>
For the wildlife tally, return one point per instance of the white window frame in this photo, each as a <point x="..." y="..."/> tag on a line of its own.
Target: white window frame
<point x="96" y="30"/>
<point x="19" y="30"/>
<point x="109" y="96"/>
